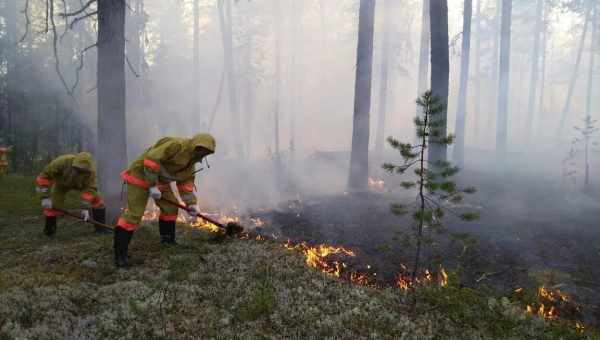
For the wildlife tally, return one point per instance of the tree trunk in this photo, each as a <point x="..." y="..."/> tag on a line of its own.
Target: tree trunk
<point x="544" y="52"/>
<point x="196" y="65"/>
<point x="277" y="145"/>
<point x="477" y="108"/>
<point x="495" y="62"/>
<point x="440" y="72"/>
<point x="227" y="36"/>
<point x="424" y="54"/>
<point x="383" y="87"/>
<point x="573" y="81"/>
<point x="503" y="85"/>
<point x="461" y="114"/>
<point x="250" y="101"/>
<point x="112" y="141"/>
<point x="535" y="57"/>
<point x="295" y="88"/>
<point x="10" y="8"/>
<point x="135" y="22"/>
<point x="590" y="80"/>
<point x="359" y="157"/>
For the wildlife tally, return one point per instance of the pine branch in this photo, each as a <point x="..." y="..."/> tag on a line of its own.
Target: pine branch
<point x="79" y="11"/>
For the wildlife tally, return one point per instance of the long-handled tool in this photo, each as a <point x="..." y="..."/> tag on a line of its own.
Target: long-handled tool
<point x="230" y="228"/>
<point x="98" y="224"/>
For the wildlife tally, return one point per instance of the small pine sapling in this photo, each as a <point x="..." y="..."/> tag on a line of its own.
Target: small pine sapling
<point x="585" y="139"/>
<point x="436" y="192"/>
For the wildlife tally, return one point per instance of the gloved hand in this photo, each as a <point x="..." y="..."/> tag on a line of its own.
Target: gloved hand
<point x="193" y="211"/>
<point x="47" y="203"/>
<point x="155" y="193"/>
<point x="85" y="215"/>
<point x="42" y="190"/>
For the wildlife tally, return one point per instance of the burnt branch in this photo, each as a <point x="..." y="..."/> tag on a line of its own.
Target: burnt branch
<point x="80" y="66"/>
<point x="131" y="68"/>
<point x="78" y="19"/>
<point x="79" y="11"/>
<point x="25" y="12"/>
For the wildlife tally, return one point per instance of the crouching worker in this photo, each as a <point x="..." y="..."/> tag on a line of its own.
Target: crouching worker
<point x="66" y="173"/>
<point x="171" y="159"/>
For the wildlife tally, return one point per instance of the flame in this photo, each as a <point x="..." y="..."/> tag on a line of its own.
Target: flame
<point x="579" y="327"/>
<point x="404" y="278"/>
<point x="549" y="300"/>
<point x="316" y="257"/>
<point x="376" y="184"/>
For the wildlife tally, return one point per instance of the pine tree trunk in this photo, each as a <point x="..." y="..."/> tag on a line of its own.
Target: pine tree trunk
<point x="10" y="8"/>
<point x="295" y="88"/>
<point x="573" y="81"/>
<point x="504" y="74"/>
<point x="383" y="87"/>
<point x="590" y="80"/>
<point x="359" y="157"/>
<point x="424" y="54"/>
<point x="535" y="58"/>
<point x="196" y="66"/>
<point x="495" y="62"/>
<point x="440" y="72"/>
<point x="541" y="99"/>
<point x="276" y="117"/>
<point x="477" y="108"/>
<point x="249" y="96"/>
<point x="112" y="141"/>
<point x="461" y="113"/>
<point x="226" y="25"/>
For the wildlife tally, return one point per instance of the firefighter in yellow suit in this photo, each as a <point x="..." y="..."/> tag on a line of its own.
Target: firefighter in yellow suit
<point x="4" y="159"/>
<point x="171" y="159"/>
<point x="66" y="173"/>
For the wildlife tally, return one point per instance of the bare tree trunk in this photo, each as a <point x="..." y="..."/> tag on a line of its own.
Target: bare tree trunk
<point x="196" y="64"/>
<point x="249" y="96"/>
<point x="541" y="107"/>
<point x="535" y="58"/>
<point x="590" y="80"/>
<point x="227" y="35"/>
<point x="503" y="85"/>
<point x="573" y="81"/>
<point x="112" y="141"/>
<point x="277" y="80"/>
<point x="135" y="23"/>
<point x="295" y="88"/>
<point x="495" y="62"/>
<point x="10" y="8"/>
<point x="359" y="157"/>
<point x="424" y="54"/>
<point x="477" y="108"/>
<point x="461" y="113"/>
<point x="383" y="87"/>
<point x="440" y="72"/>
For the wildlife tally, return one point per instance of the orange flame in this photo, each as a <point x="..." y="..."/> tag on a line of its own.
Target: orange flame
<point x="376" y="184"/>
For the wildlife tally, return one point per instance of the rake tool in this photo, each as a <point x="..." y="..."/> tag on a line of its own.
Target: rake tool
<point x="230" y="228"/>
<point x="98" y="224"/>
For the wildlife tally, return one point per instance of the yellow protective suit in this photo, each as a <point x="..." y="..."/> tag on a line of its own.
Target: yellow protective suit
<point x="64" y="174"/>
<point x="171" y="159"/>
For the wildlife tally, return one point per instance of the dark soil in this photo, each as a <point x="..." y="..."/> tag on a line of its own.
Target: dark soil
<point x="531" y="234"/>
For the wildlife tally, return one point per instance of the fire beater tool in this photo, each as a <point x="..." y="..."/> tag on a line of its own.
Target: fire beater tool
<point x="230" y="228"/>
<point x="98" y="224"/>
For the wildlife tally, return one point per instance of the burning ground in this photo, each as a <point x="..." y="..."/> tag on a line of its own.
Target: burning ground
<point x="239" y="288"/>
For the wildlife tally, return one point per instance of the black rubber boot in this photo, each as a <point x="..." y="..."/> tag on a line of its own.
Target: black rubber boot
<point x="50" y="227"/>
<point x="167" y="232"/>
<point x="121" y="244"/>
<point x="99" y="215"/>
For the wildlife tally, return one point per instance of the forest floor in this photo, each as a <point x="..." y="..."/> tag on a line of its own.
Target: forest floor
<point x="67" y="287"/>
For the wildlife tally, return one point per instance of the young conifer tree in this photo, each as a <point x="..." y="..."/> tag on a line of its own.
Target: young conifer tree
<point x="436" y="192"/>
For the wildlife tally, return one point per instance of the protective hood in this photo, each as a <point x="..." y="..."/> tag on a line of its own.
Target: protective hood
<point x="84" y="161"/>
<point x="204" y="140"/>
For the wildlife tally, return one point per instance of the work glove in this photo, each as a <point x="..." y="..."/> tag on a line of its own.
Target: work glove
<point x="47" y="203"/>
<point x="193" y="211"/>
<point x="42" y="190"/>
<point x="155" y="193"/>
<point x="85" y="215"/>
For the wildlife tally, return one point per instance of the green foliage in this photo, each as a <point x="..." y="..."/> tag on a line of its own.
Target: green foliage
<point x="436" y="192"/>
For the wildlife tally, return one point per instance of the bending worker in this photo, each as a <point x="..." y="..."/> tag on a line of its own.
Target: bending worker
<point x="66" y="173"/>
<point x="171" y="159"/>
